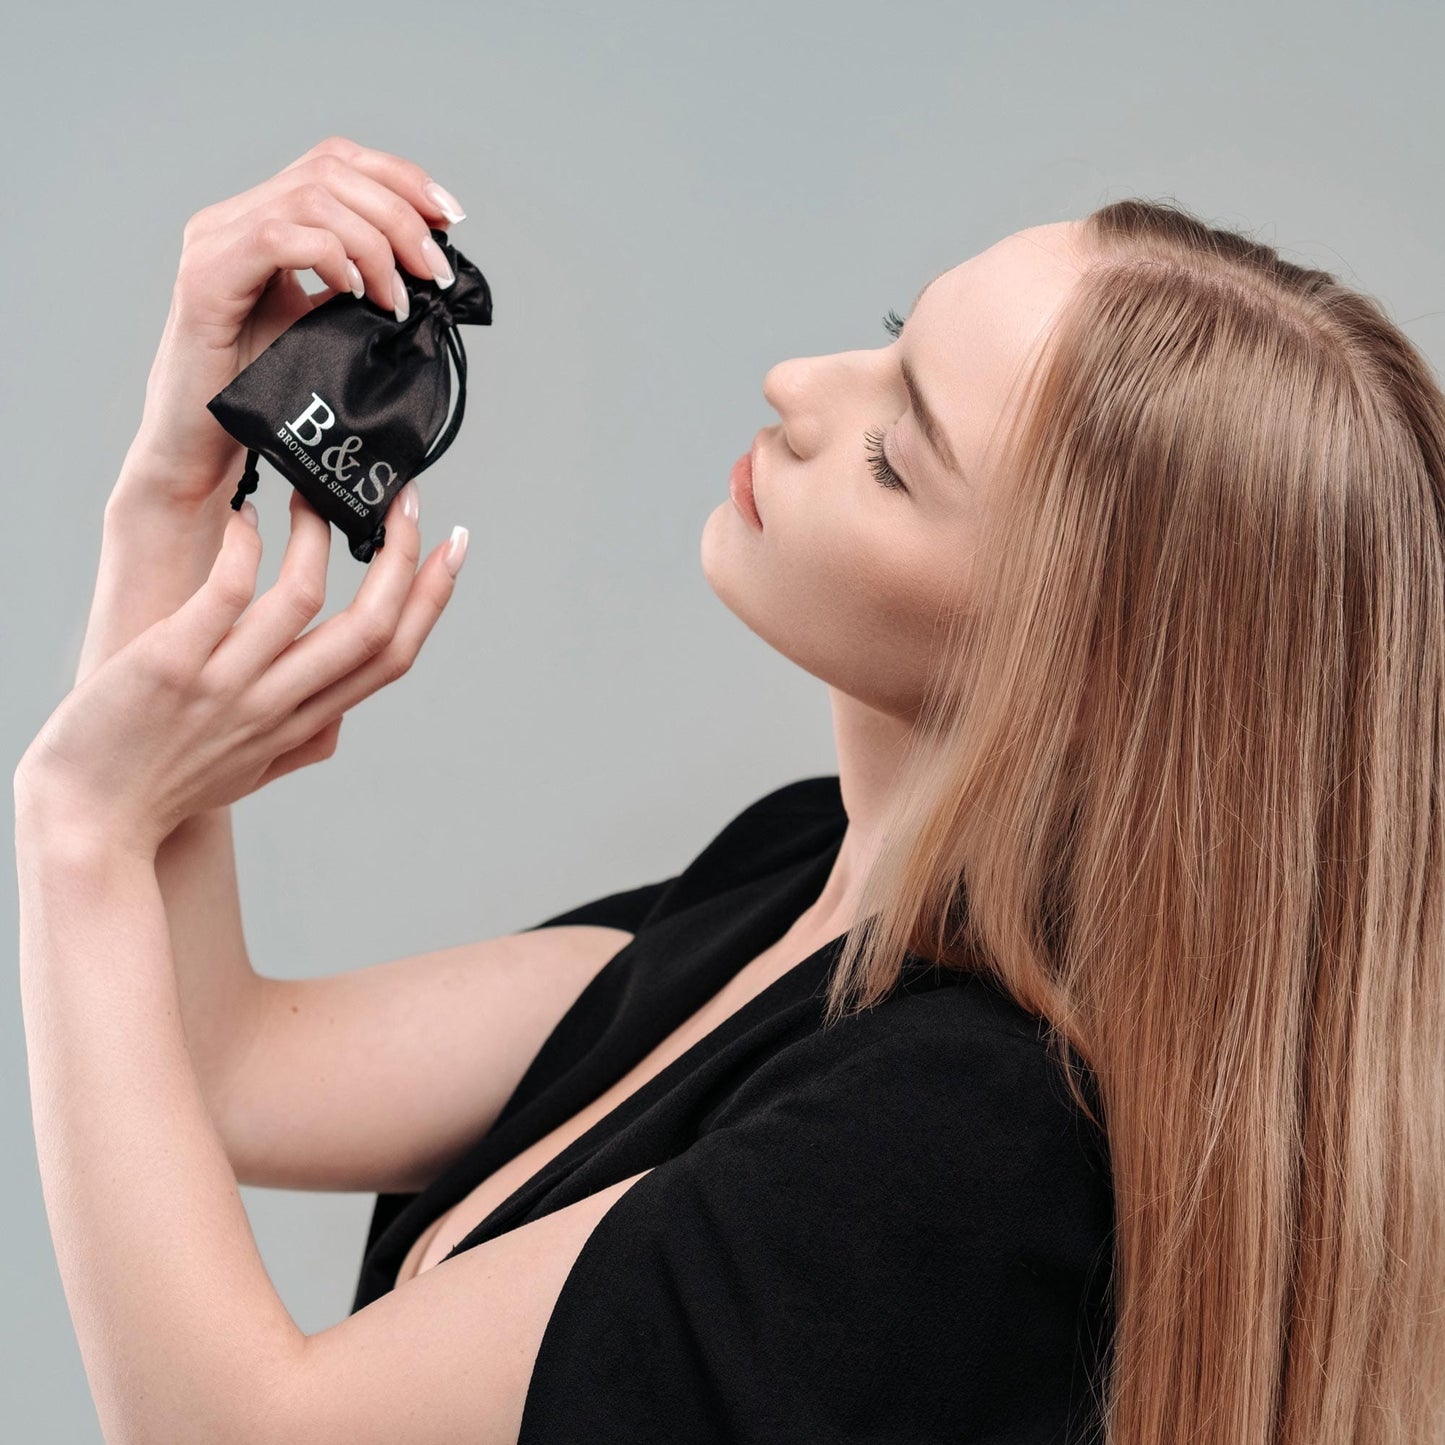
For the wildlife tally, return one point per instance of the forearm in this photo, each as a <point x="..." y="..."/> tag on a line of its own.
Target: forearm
<point x="154" y="554"/>
<point x="181" y="1331"/>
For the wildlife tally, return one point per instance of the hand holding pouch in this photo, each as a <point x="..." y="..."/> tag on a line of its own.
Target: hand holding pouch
<point x="348" y="402"/>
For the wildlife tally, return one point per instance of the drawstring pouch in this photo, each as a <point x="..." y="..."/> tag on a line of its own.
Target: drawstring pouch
<point x="348" y="402"/>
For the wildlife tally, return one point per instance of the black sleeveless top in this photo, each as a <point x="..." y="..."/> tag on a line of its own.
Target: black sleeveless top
<point x="895" y="1229"/>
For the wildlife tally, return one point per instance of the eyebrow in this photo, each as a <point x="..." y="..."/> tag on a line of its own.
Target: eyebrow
<point x="927" y="419"/>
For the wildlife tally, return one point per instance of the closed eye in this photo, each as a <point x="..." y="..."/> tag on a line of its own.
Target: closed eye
<point x="879" y="464"/>
<point x="877" y="460"/>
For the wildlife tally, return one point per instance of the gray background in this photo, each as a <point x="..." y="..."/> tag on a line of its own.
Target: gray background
<point x="666" y="199"/>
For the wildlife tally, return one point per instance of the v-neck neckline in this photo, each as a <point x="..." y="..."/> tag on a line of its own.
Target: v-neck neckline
<point x="784" y="895"/>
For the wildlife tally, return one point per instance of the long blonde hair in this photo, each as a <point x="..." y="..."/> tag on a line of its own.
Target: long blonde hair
<point x="1178" y="788"/>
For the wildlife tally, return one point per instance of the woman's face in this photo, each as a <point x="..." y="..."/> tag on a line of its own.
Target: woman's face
<point x="848" y="573"/>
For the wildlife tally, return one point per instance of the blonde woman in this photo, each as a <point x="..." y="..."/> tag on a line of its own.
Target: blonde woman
<point x="1066" y="1066"/>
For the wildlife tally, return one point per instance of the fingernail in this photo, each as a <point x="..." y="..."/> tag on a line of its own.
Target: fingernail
<point x="410" y="504"/>
<point x="249" y="513"/>
<point x="402" y="302"/>
<point x="445" y="202"/>
<point x="438" y="263"/>
<point x="456" y="551"/>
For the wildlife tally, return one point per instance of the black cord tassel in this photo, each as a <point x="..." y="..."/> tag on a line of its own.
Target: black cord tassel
<point x="364" y="549"/>
<point x="250" y="479"/>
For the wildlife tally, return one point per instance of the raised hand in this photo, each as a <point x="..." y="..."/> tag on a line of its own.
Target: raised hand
<point x="212" y="702"/>
<point x="348" y="212"/>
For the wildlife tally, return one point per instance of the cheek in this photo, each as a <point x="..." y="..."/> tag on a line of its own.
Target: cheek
<point x="880" y="591"/>
<point x="875" y="566"/>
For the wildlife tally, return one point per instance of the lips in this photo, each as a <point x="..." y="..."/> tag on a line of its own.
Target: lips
<point x="740" y="486"/>
<point x="753" y="455"/>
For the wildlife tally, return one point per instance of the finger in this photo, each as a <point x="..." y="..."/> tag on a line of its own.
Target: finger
<point x="317" y="748"/>
<point x="380" y="229"/>
<point x="200" y="624"/>
<point x="433" y="589"/>
<point x="407" y="179"/>
<point x="274" y="619"/>
<point x="237" y="262"/>
<point x="373" y="228"/>
<point x="352" y="636"/>
<point x="410" y="181"/>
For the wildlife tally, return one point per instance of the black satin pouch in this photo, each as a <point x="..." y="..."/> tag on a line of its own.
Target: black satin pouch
<point x="348" y="403"/>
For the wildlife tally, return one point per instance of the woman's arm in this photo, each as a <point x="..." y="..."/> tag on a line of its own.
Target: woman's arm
<point x="181" y="1331"/>
<point x="156" y="550"/>
<point x="352" y="215"/>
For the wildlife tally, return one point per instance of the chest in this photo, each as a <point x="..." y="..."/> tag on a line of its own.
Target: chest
<point x="439" y="1238"/>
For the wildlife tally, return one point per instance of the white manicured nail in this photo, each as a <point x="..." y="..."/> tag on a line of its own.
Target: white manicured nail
<point x="445" y="202"/>
<point x="438" y="263"/>
<point x="456" y="551"/>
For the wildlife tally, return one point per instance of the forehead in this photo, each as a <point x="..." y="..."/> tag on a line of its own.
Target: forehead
<point x="1011" y="289"/>
<point x="982" y="319"/>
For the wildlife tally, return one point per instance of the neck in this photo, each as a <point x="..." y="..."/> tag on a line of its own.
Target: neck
<point x="870" y="746"/>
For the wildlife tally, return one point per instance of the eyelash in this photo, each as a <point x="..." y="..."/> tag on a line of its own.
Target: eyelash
<point x="885" y="474"/>
<point x="887" y="477"/>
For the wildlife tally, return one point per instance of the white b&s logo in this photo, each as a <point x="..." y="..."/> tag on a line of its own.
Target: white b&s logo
<point x="341" y="460"/>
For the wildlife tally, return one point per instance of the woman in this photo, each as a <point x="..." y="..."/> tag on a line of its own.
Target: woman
<point x="1123" y="566"/>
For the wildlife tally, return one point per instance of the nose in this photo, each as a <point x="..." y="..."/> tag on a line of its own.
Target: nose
<point x="792" y="389"/>
<point x="815" y="395"/>
<point x="785" y="385"/>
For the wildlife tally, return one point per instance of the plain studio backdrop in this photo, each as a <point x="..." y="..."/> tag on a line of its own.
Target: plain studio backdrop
<point x="667" y="199"/>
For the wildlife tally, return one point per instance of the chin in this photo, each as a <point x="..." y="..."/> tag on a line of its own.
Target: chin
<point x="719" y="553"/>
<point x="732" y="573"/>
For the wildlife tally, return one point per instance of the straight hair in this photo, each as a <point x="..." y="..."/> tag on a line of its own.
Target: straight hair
<point x="1177" y="787"/>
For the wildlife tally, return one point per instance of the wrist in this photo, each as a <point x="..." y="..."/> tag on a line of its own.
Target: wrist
<point x="152" y="470"/>
<point x="156" y="510"/>
<point x="154" y="554"/>
<point x="52" y="832"/>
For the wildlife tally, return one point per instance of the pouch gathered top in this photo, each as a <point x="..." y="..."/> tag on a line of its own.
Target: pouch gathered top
<point x="348" y="403"/>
